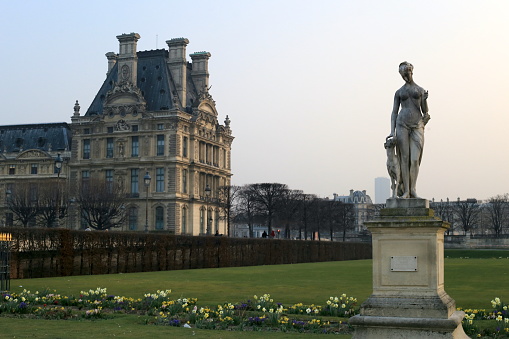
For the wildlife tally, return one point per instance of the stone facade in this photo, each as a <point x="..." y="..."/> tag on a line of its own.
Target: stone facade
<point x="28" y="154"/>
<point x="154" y="114"/>
<point x="363" y="207"/>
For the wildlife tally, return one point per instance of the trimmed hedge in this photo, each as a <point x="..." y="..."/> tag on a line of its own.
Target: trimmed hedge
<point x="38" y="253"/>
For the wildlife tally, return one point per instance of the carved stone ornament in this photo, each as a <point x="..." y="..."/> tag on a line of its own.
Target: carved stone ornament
<point x="33" y="154"/>
<point x="124" y="87"/>
<point x="126" y="72"/>
<point x="173" y="125"/>
<point x="121" y="125"/>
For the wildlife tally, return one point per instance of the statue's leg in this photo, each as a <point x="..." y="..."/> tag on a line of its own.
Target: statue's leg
<point x="416" y="140"/>
<point x="404" y="154"/>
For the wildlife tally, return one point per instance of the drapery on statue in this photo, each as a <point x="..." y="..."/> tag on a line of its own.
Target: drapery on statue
<point x="407" y="133"/>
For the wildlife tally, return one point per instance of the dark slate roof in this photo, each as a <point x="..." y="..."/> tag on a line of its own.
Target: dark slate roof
<point x="153" y="79"/>
<point x="14" y="138"/>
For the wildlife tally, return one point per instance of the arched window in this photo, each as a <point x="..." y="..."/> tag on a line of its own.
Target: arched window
<point x="133" y="218"/>
<point x="159" y="218"/>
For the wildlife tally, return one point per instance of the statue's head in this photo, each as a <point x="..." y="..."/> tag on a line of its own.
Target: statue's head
<point x="406" y="70"/>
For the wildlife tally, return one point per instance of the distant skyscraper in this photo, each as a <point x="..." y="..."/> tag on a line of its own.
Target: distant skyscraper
<point x="382" y="190"/>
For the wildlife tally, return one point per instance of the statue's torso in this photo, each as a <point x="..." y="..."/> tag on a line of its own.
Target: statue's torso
<point x="410" y="101"/>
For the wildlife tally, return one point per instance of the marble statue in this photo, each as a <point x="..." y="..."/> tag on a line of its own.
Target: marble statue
<point x="407" y="131"/>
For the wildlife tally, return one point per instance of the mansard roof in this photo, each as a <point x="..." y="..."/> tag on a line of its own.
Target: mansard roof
<point x="46" y="137"/>
<point x="153" y="79"/>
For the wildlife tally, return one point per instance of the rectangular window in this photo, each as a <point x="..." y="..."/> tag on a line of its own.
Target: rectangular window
<point x="183" y="229"/>
<point x="9" y="219"/>
<point x="160" y="127"/>
<point x="160" y="179"/>
<point x="133" y="218"/>
<point x="109" y="179"/>
<point x="134" y="180"/>
<point x="184" y="147"/>
<point x="86" y="148"/>
<point x="34" y="192"/>
<point x="134" y="128"/>
<point x="160" y="145"/>
<point x="159" y="218"/>
<point x="202" y="224"/>
<point x="184" y="181"/>
<point x="201" y="151"/>
<point x="85" y="178"/>
<point x="110" y="129"/>
<point x="109" y="147"/>
<point x="86" y="131"/>
<point x="34" y="169"/>
<point x="135" y="146"/>
<point x="12" y="169"/>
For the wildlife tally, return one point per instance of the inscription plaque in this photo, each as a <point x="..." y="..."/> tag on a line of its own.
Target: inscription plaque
<point x="404" y="264"/>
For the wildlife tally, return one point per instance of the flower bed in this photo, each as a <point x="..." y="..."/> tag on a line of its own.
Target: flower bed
<point x="259" y="313"/>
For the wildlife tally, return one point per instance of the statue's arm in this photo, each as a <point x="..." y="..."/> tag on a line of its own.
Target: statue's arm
<point x="394" y="114"/>
<point x="424" y="107"/>
<point x="424" y="103"/>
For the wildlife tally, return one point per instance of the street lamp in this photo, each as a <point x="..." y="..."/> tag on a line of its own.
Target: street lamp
<point x="146" y="182"/>
<point x="207" y="199"/>
<point x="58" y="168"/>
<point x="207" y="192"/>
<point x="58" y="164"/>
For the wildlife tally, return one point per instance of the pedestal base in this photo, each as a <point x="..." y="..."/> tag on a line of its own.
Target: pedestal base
<point x="408" y="299"/>
<point x="367" y="327"/>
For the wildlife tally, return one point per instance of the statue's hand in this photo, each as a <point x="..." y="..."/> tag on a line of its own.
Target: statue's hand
<point x="425" y="95"/>
<point x="426" y="118"/>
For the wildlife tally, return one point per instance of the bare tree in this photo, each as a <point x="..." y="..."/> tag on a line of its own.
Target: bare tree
<point x="346" y="218"/>
<point x="333" y="217"/>
<point x="467" y="212"/>
<point x="23" y="202"/>
<point x="102" y="204"/>
<point x="289" y="204"/>
<point x="444" y="210"/>
<point x="498" y="210"/>
<point x="227" y="195"/>
<point x="246" y="208"/>
<point x="52" y="203"/>
<point x="267" y="196"/>
<point x="308" y="201"/>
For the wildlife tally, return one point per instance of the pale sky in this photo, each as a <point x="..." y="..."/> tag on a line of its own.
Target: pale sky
<point x="308" y="85"/>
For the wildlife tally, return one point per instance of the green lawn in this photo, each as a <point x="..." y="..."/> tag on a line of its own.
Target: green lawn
<point x="471" y="282"/>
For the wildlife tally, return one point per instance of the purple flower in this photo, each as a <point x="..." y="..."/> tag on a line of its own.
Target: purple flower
<point x="23" y="304"/>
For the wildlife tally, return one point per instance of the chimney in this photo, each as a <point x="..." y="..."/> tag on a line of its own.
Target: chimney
<point x="112" y="60"/>
<point x="178" y="66"/>
<point x="127" y="58"/>
<point x="200" y="71"/>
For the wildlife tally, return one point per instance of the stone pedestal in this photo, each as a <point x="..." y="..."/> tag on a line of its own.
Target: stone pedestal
<point x="408" y="300"/>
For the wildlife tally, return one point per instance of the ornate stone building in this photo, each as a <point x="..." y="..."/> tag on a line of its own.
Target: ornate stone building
<point x="28" y="154"/>
<point x="154" y="115"/>
<point x="363" y="207"/>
